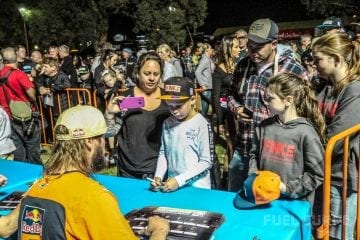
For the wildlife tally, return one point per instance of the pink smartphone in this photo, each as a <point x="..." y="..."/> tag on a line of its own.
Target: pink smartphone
<point x="132" y="102"/>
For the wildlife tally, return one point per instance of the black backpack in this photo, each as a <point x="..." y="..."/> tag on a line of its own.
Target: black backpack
<point x="4" y="79"/>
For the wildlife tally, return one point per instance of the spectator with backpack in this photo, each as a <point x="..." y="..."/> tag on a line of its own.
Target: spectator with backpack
<point x="18" y="99"/>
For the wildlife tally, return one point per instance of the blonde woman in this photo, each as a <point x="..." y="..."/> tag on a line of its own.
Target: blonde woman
<point x="172" y="66"/>
<point x="203" y="75"/>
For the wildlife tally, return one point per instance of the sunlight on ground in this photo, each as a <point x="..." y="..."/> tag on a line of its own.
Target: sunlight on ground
<point x="46" y="150"/>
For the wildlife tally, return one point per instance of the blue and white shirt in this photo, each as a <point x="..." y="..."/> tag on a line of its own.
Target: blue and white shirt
<point x="186" y="151"/>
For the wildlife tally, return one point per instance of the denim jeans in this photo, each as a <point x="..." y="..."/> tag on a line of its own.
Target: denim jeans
<point x="27" y="148"/>
<point x="206" y="100"/>
<point x="238" y="170"/>
<point x="336" y="213"/>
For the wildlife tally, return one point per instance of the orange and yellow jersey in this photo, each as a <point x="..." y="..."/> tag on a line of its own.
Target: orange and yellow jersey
<point x="71" y="206"/>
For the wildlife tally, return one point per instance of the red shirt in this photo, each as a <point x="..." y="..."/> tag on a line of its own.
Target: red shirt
<point x="19" y="83"/>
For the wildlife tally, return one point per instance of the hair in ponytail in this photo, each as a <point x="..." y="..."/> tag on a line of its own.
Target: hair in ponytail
<point x="305" y="101"/>
<point x="339" y="44"/>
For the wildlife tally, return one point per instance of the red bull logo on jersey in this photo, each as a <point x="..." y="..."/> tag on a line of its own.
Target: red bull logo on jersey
<point x="32" y="222"/>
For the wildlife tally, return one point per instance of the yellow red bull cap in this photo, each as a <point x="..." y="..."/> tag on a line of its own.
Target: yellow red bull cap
<point x="82" y="122"/>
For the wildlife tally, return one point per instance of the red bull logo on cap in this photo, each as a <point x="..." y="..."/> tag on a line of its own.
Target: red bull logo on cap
<point x="32" y="222"/>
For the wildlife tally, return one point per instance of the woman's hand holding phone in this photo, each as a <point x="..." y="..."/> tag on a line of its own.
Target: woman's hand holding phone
<point x="121" y="103"/>
<point x="113" y="105"/>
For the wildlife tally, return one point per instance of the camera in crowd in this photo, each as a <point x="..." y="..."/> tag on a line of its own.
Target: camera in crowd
<point x="31" y="126"/>
<point x="120" y="68"/>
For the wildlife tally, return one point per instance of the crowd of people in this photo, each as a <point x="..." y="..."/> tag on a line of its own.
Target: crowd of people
<point x="276" y="104"/>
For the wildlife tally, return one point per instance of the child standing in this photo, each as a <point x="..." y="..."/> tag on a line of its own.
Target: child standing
<point x="112" y="85"/>
<point x="186" y="151"/>
<point x="290" y="143"/>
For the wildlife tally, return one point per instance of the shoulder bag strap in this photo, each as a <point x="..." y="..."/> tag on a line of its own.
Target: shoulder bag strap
<point x="7" y="86"/>
<point x="14" y="92"/>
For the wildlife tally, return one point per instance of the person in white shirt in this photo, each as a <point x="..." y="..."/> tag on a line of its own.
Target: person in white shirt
<point x="186" y="153"/>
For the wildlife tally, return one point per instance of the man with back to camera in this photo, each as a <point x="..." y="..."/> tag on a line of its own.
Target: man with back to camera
<point x="266" y="58"/>
<point x="67" y="202"/>
<point x="20" y="88"/>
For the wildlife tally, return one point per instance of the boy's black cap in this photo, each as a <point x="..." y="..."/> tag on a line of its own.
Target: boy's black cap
<point x="178" y="88"/>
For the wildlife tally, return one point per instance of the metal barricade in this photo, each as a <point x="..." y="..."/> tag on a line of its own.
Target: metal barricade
<point x="324" y="229"/>
<point x="74" y="96"/>
<point x="48" y="114"/>
<point x="95" y="96"/>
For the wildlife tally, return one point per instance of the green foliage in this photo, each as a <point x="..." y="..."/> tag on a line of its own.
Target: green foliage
<point x="333" y="7"/>
<point x="112" y="171"/>
<point x="195" y="11"/>
<point x="11" y="25"/>
<point x="66" y="21"/>
<point x="167" y="21"/>
<point x="74" y="21"/>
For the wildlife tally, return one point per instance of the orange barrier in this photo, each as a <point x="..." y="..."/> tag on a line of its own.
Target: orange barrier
<point x="323" y="230"/>
<point x="95" y="97"/>
<point x="72" y="97"/>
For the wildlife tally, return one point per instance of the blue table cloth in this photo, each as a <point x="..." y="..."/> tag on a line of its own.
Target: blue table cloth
<point x="19" y="173"/>
<point x="280" y="220"/>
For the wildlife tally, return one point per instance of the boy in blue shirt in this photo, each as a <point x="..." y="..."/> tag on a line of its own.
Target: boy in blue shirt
<point x="186" y="152"/>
